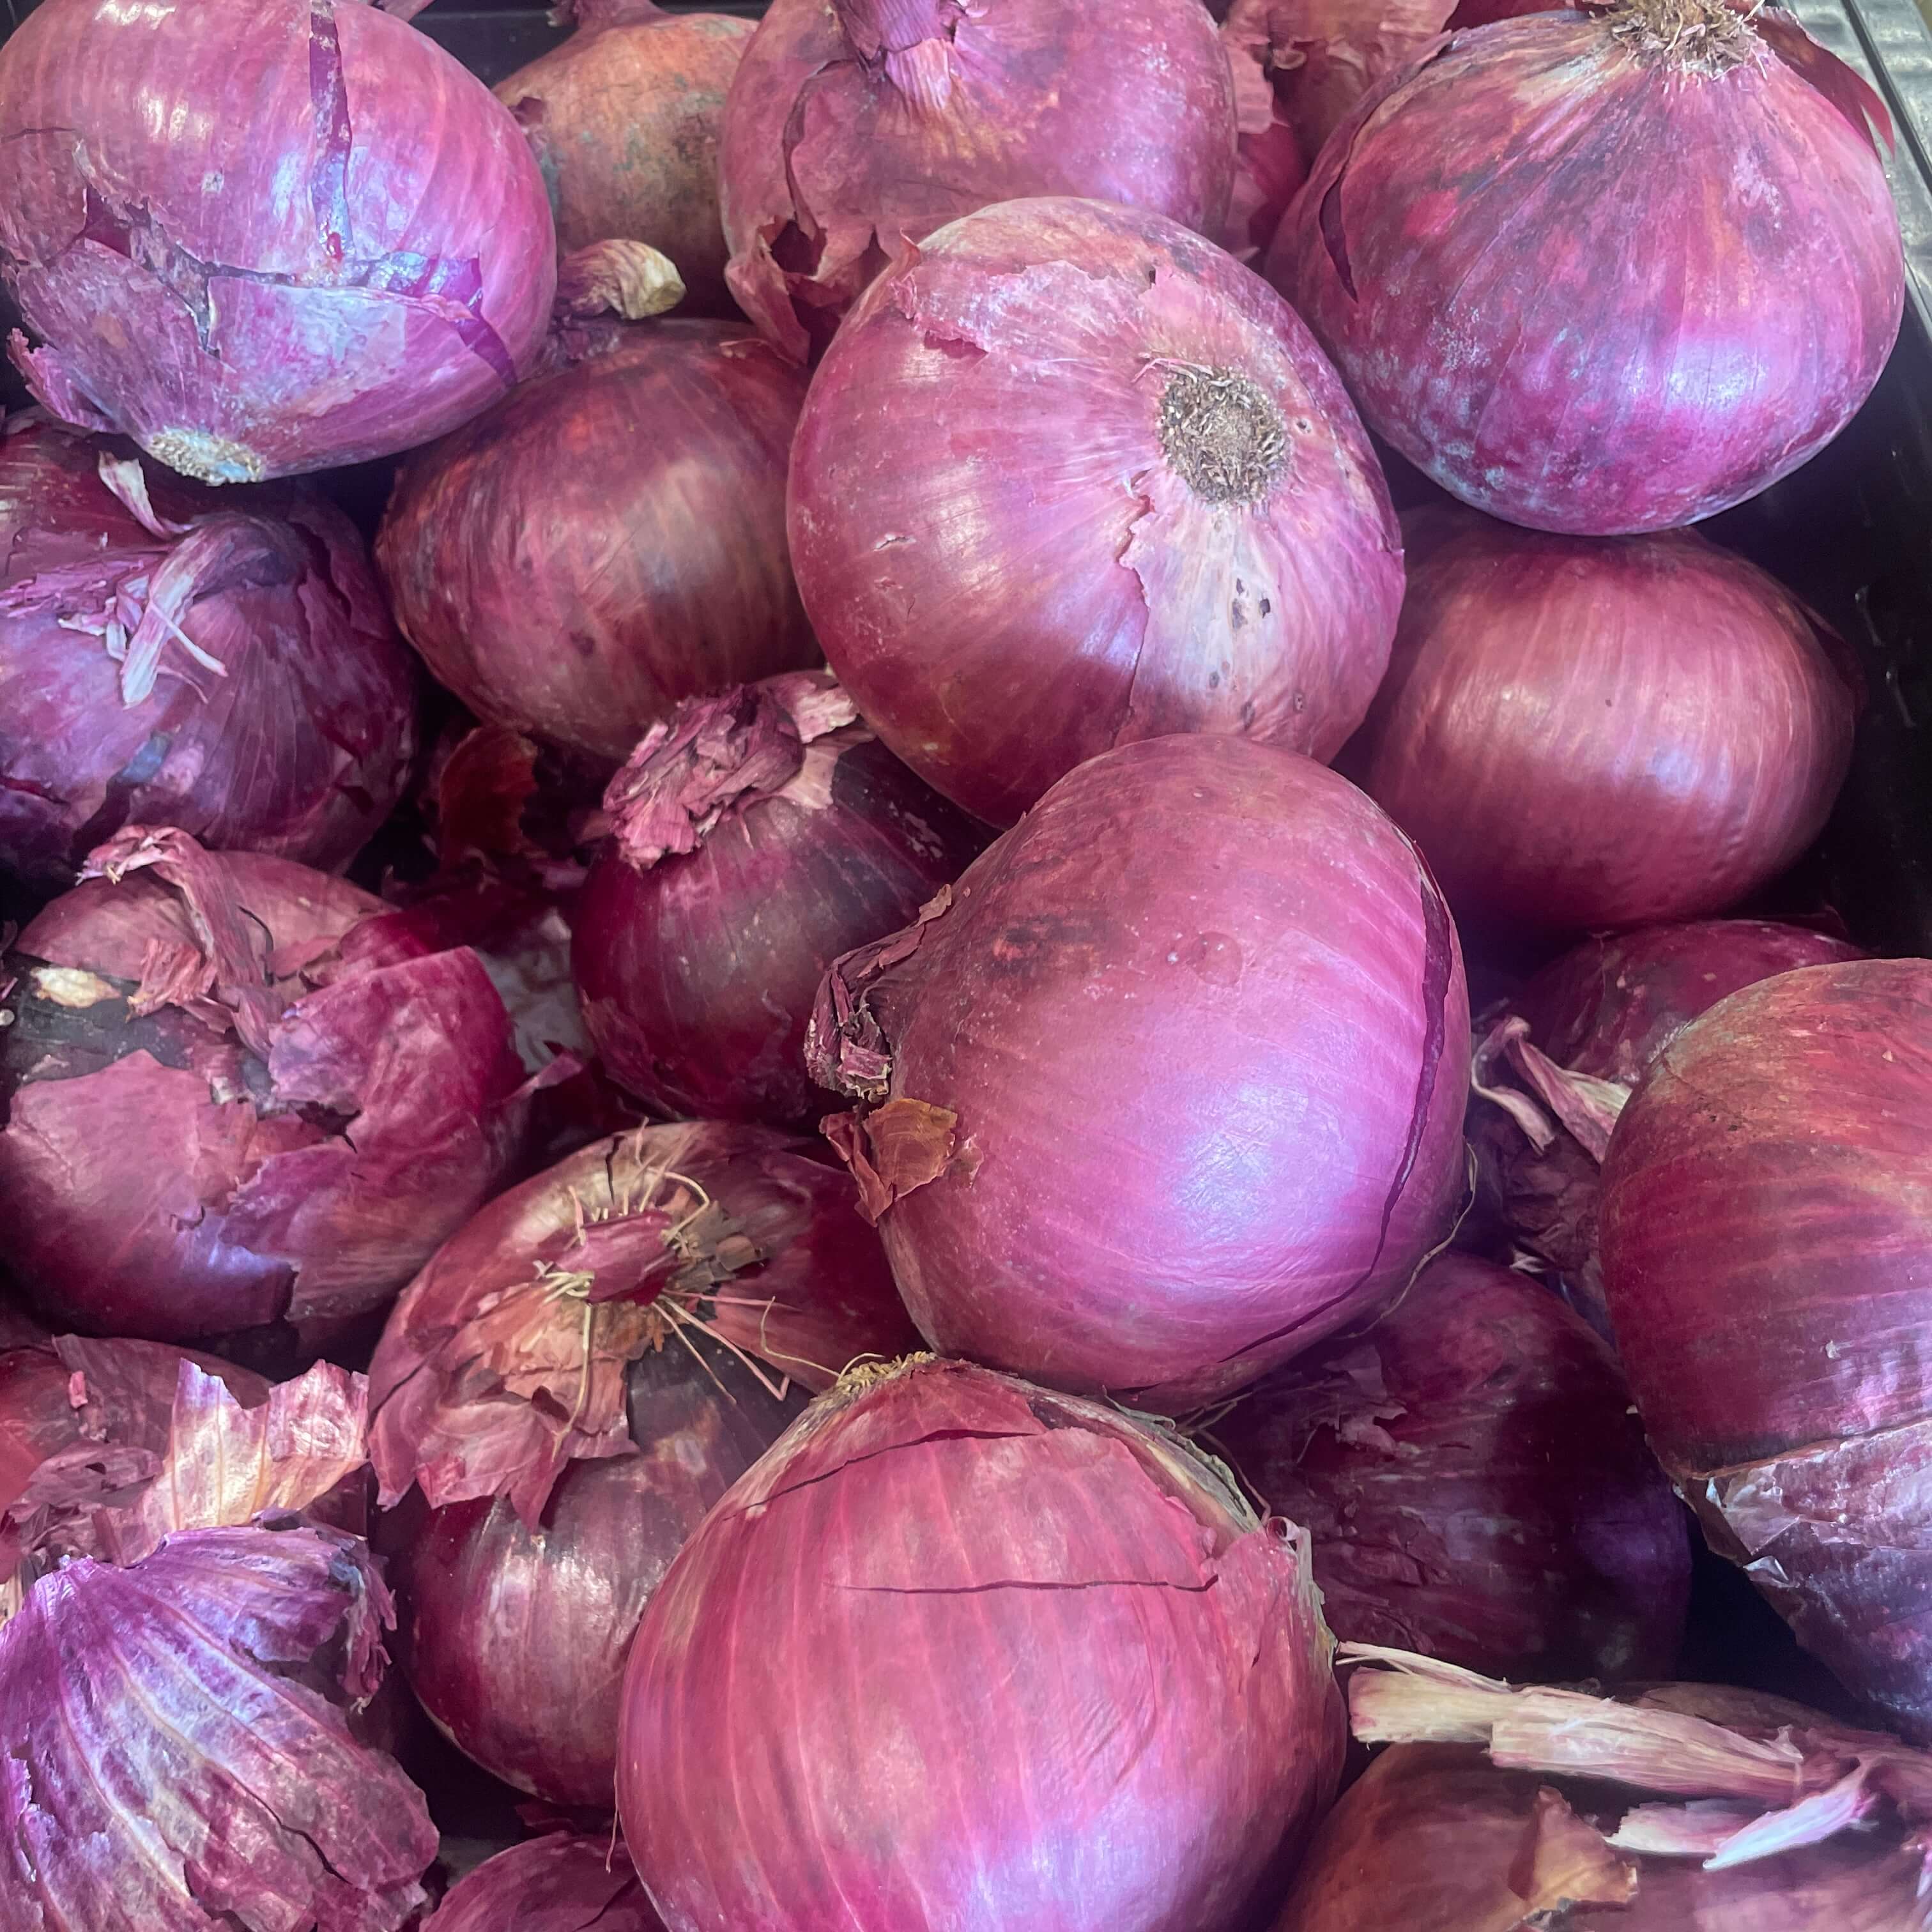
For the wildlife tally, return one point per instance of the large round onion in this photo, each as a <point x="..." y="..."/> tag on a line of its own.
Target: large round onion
<point x="1699" y="184"/>
<point x="608" y="541"/>
<point x="1475" y="1484"/>
<point x="982" y="1657"/>
<point x="261" y="236"/>
<point x="854" y="128"/>
<point x="1060" y="1193"/>
<point x="564" y="1882"/>
<point x="240" y="1096"/>
<point x="285" y="723"/>
<point x="755" y="837"/>
<point x="1765" y="1208"/>
<point x="1585" y="733"/>
<point x="1135" y="501"/>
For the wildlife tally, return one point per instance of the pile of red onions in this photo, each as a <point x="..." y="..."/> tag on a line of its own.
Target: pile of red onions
<point x="1605" y="270"/>
<point x="241" y="1097"/>
<point x="562" y="1882"/>
<point x="1170" y="1086"/>
<point x="1764" y="1205"/>
<point x="262" y="236"/>
<point x="1071" y="477"/>
<point x="608" y="541"/>
<point x="1585" y="733"/>
<point x="755" y="836"/>
<point x="1475" y="1483"/>
<point x="1026" y="1651"/>
<point x="855" y="128"/>
<point x="233" y="671"/>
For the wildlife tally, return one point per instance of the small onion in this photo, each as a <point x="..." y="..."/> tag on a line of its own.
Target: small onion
<point x="1071" y="477"/>
<point x="262" y="236"/>
<point x="853" y="128"/>
<point x="564" y="1882"/>
<point x="974" y="1655"/>
<point x="1586" y="733"/>
<point x="1055" y="1196"/>
<point x="756" y="836"/>
<point x="609" y="540"/>
<point x="1699" y="181"/>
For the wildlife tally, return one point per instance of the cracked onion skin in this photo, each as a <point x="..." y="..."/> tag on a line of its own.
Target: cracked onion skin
<point x="1128" y="1670"/>
<point x="1607" y="271"/>
<point x="1765" y="1206"/>
<point x="1071" y="477"/>
<point x="263" y="236"/>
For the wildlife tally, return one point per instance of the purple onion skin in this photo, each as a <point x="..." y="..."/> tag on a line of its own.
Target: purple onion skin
<point x="1743" y="292"/>
<point x="1587" y="733"/>
<point x="299" y="752"/>
<point x="561" y="1883"/>
<point x="1765" y="1204"/>
<point x="995" y="631"/>
<point x="943" y="1598"/>
<point x="608" y="541"/>
<point x="854" y="128"/>
<point x="318" y="240"/>
<point x="1475" y="1483"/>
<point x="1053" y="1198"/>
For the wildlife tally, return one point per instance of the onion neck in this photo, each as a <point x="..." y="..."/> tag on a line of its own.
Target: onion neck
<point x="1706" y="38"/>
<point x="910" y="40"/>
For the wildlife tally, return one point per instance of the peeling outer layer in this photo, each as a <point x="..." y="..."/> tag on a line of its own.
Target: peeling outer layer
<point x="1475" y="1483"/>
<point x="1139" y="502"/>
<point x="179" y="1757"/>
<point x="244" y="1098"/>
<point x="629" y="280"/>
<point x="1470" y="208"/>
<point x="561" y="1883"/>
<point x="372" y="272"/>
<point x="1052" y="1199"/>
<point x="939" y="1551"/>
<point x="852" y="130"/>
<point x="1763" y="1222"/>
<point x="233" y="672"/>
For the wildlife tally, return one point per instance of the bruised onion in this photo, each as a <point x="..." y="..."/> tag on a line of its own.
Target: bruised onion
<point x="1475" y="1483"/>
<point x="978" y="1655"/>
<point x="855" y="128"/>
<point x="1070" y="478"/>
<point x="1058" y="1195"/>
<point x="1765" y="1204"/>
<point x="756" y="836"/>
<point x="566" y="1882"/>
<point x="1582" y="733"/>
<point x="608" y="541"/>
<point x="262" y="236"/>
<point x="1699" y="181"/>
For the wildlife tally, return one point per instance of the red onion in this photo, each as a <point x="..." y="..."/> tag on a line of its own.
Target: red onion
<point x="1054" y="1196"/>
<point x="1585" y="734"/>
<point x="261" y="236"/>
<point x="757" y="836"/>
<point x="1475" y="1483"/>
<point x="854" y="129"/>
<point x="1702" y="186"/>
<point x="239" y="1096"/>
<point x="564" y="1882"/>
<point x="1764" y="1212"/>
<point x="609" y="540"/>
<point x="233" y="672"/>
<point x="1070" y="478"/>
<point x="1058" y="1675"/>
<point x="624" y="120"/>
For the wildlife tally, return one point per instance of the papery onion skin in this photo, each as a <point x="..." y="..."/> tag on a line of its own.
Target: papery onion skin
<point x="1054" y="1200"/>
<point x="1744" y="279"/>
<point x="624" y="120"/>
<point x="854" y="129"/>
<point x="1763" y="1221"/>
<point x="298" y="748"/>
<point x="564" y="1882"/>
<point x="946" y="1553"/>
<point x="1581" y="733"/>
<point x="1215" y="550"/>
<point x="319" y="241"/>
<point x="757" y="835"/>
<point x="608" y="541"/>
<point x="1475" y="1484"/>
